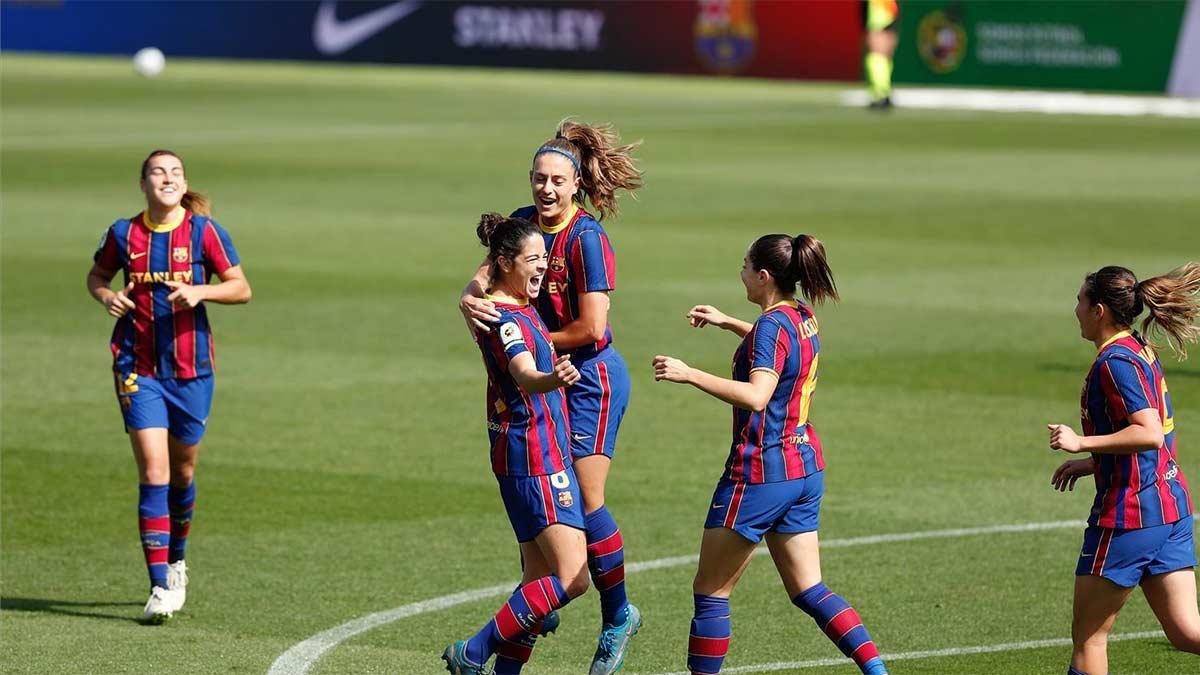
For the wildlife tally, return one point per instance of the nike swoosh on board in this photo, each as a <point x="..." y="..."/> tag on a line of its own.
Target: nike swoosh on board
<point x="332" y="36"/>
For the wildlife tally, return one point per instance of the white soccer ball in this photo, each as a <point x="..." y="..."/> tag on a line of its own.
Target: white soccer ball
<point x="149" y="61"/>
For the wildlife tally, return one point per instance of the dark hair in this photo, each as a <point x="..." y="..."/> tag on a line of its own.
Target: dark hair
<point x="192" y="201"/>
<point x="503" y="237"/>
<point x="792" y="260"/>
<point x="604" y="167"/>
<point x="1170" y="299"/>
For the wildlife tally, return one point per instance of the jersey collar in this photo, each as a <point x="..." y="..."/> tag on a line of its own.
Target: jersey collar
<point x="1118" y="336"/>
<point x="163" y="227"/>
<point x="790" y="303"/>
<point x="555" y="229"/>
<point x="505" y="300"/>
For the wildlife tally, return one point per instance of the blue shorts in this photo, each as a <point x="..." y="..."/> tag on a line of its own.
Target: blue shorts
<point x="179" y="406"/>
<point x="752" y="510"/>
<point x="1125" y="557"/>
<point x="596" y="404"/>
<point x="534" y="503"/>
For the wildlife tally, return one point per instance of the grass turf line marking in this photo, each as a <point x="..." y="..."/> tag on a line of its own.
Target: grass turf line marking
<point x="1054" y="103"/>
<point x="299" y="658"/>
<point x="929" y="654"/>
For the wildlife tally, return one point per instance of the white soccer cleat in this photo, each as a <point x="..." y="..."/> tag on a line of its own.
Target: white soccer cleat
<point x="177" y="582"/>
<point x="160" y="606"/>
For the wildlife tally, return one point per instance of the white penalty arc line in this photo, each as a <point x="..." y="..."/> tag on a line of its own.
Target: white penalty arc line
<point x="301" y="657"/>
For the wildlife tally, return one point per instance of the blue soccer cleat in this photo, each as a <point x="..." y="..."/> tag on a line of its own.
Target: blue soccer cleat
<point x="457" y="662"/>
<point x="614" y="643"/>
<point x="550" y="623"/>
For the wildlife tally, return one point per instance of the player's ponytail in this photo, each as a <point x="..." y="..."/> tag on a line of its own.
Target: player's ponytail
<point x="603" y="166"/>
<point x="1173" y="306"/>
<point x="192" y="201"/>
<point x="795" y="260"/>
<point x="503" y="237"/>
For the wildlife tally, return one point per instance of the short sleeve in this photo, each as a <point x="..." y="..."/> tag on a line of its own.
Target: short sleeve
<point x="593" y="262"/>
<point x="219" y="253"/>
<point x="107" y="255"/>
<point x="512" y="338"/>
<point x="1125" y="387"/>
<point x="769" y="348"/>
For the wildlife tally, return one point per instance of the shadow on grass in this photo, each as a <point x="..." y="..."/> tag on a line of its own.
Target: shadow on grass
<point x="1172" y="369"/>
<point x="70" y="608"/>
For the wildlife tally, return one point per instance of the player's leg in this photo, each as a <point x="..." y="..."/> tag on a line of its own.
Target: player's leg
<point x="1096" y="605"/>
<point x="154" y="523"/>
<point x="724" y="556"/>
<point x="1172" y="596"/>
<point x="188" y="404"/>
<point x="511" y="656"/>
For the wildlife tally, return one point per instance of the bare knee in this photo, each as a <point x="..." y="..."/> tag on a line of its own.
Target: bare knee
<point x="576" y="583"/>
<point x="183" y="473"/>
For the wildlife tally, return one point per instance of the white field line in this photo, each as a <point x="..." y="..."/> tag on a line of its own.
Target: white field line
<point x="298" y="659"/>
<point x="1059" y="103"/>
<point x="929" y="654"/>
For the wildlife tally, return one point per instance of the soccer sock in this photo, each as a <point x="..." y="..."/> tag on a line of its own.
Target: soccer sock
<point x="709" y="640"/>
<point x="879" y="75"/>
<point x="512" y="656"/>
<point x="155" y="527"/>
<point x="520" y="615"/>
<point x="180" y="501"/>
<point x="842" y="625"/>
<point x="606" y="562"/>
<point x="1072" y="671"/>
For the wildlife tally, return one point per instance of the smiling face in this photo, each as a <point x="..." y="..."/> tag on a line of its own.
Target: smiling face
<point x="522" y="276"/>
<point x="554" y="182"/>
<point x="164" y="182"/>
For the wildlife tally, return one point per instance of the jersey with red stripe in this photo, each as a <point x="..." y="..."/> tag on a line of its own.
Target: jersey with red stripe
<point x="158" y="338"/>
<point x="581" y="261"/>
<point x="529" y="433"/>
<point x="778" y="443"/>
<point x="1141" y="489"/>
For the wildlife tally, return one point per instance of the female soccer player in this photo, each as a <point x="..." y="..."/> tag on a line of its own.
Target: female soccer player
<point x="1140" y="528"/>
<point x="531" y="457"/>
<point x="773" y="480"/>
<point x="583" y="163"/>
<point x="163" y="354"/>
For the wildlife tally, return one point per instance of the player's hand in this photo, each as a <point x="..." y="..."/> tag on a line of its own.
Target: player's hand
<point x="670" y="369"/>
<point x="1070" y="471"/>
<point x="1063" y="437"/>
<point x="184" y="295"/>
<point x="478" y="313"/>
<point x="703" y="315"/>
<point x="565" y="371"/>
<point x="118" y="304"/>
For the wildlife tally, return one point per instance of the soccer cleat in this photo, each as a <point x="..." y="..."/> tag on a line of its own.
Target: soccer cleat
<point x="550" y="623"/>
<point x="614" y="643"/>
<point x="177" y="582"/>
<point x="160" y="606"/>
<point x="457" y="662"/>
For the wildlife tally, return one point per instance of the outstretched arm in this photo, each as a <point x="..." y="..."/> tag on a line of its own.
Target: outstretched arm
<point x="753" y="395"/>
<point x="705" y="315"/>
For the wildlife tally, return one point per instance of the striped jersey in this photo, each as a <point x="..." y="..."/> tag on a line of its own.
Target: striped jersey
<point x="158" y="338"/>
<point x="778" y="443"/>
<point x="1141" y="489"/>
<point x="581" y="261"/>
<point x="529" y="433"/>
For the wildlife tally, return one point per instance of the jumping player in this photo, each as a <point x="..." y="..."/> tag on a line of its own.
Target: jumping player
<point x="774" y="478"/>
<point x="530" y="450"/>
<point x="163" y="356"/>
<point x="1140" y="528"/>
<point x="583" y="163"/>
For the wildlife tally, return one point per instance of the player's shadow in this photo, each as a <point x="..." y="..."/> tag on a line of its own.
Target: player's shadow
<point x="70" y="608"/>
<point x="1172" y="368"/>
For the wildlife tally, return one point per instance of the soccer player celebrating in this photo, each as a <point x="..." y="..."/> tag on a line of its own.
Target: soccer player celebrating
<point x="773" y="480"/>
<point x="531" y="457"/>
<point x="1140" y="527"/>
<point x="583" y="163"/>
<point x="163" y="354"/>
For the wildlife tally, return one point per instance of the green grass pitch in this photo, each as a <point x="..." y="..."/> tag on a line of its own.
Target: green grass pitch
<point x="345" y="468"/>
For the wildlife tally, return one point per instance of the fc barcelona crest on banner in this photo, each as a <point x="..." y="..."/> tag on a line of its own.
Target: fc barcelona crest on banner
<point x="725" y="34"/>
<point x="565" y="499"/>
<point x="179" y="254"/>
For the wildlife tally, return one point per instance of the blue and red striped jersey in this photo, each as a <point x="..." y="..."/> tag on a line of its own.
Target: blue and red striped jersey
<point x="778" y="443"/>
<point x="581" y="261"/>
<point x="529" y="433"/>
<point x="159" y="338"/>
<point x="1141" y="489"/>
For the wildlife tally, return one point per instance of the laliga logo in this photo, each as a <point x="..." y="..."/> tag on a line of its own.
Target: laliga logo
<point x="725" y="34"/>
<point x="941" y="42"/>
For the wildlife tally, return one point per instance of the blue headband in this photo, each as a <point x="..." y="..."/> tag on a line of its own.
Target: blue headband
<point x="546" y="148"/>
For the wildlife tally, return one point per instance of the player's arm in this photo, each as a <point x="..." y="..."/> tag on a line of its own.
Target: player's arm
<point x="1070" y="471"/>
<point x="753" y="395"/>
<point x="116" y="303"/>
<point x="589" y="326"/>
<point x="233" y="289"/>
<point x="524" y="370"/>
<point x="706" y="315"/>
<point x="1144" y="433"/>
<point x="475" y="309"/>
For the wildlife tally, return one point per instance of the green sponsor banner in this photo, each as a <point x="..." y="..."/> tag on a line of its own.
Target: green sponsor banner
<point x="1124" y="45"/>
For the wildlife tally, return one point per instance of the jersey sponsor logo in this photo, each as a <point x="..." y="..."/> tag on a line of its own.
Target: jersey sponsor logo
<point x="797" y="439"/>
<point x="566" y="499"/>
<point x="580" y="437"/>
<point x="556" y="287"/>
<point x="493" y="426"/>
<point x="545" y="28"/>
<point x="718" y="506"/>
<point x="135" y="256"/>
<point x="510" y="334"/>
<point x="180" y="254"/>
<point x="159" y="277"/>
<point x="335" y="36"/>
<point x="1172" y="472"/>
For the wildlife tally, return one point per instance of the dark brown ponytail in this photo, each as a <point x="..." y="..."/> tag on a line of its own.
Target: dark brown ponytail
<point x="1170" y="299"/>
<point x="795" y="260"/>
<point x="604" y="166"/>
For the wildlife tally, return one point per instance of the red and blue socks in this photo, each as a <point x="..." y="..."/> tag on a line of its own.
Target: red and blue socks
<point x="520" y="616"/>
<point x="511" y="657"/>
<point x="709" y="640"/>
<point x="606" y="562"/>
<point x="842" y="625"/>
<point x="180" y="502"/>
<point x="1072" y="670"/>
<point x="154" y="524"/>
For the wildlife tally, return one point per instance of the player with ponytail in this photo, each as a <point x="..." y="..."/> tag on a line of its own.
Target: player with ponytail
<point x="581" y="165"/>
<point x="1140" y="528"/>
<point x="774" y="477"/>
<point x="163" y="354"/>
